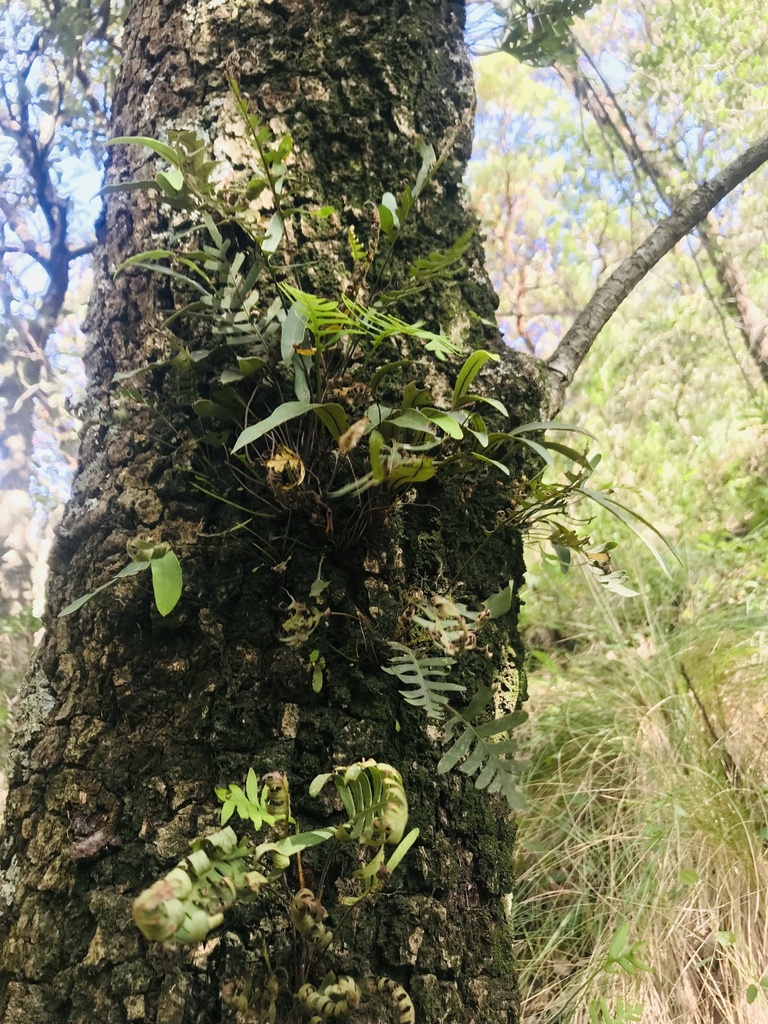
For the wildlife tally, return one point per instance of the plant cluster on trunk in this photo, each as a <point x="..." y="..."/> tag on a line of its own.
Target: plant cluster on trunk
<point x="131" y="718"/>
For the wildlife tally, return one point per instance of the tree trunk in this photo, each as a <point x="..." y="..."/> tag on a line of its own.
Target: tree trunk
<point x="131" y="719"/>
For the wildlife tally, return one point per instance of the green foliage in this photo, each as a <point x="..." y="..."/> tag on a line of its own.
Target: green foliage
<point x="164" y="566"/>
<point x="329" y="346"/>
<point x="373" y="797"/>
<point x="486" y="746"/>
<point x="251" y="805"/>
<point x="285" y="362"/>
<point x="623" y="954"/>
<point x="753" y="991"/>
<point x="191" y="900"/>
<point x="425" y="679"/>
<point x="599" y="1012"/>
<point x="371" y="793"/>
<point x="538" y="33"/>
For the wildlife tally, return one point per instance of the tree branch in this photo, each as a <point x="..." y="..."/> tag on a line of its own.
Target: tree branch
<point x="578" y="340"/>
<point x="609" y="114"/>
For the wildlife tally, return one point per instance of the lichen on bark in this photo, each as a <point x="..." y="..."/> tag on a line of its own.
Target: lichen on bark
<point x="148" y="714"/>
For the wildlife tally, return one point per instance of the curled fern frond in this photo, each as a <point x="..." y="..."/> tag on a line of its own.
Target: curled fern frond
<point x="374" y="799"/>
<point x="307" y="915"/>
<point x="400" y="998"/>
<point x="334" y="998"/>
<point x="191" y="899"/>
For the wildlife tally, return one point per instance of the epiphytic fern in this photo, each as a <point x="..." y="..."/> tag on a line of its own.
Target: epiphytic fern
<point x="191" y="899"/>
<point x="483" y="750"/>
<point x="374" y="799"/>
<point x="400" y="998"/>
<point x="425" y="678"/>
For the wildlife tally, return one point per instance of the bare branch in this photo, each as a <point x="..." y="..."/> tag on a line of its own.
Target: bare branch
<point x="609" y="296"/>
<point x="608" y="112"/>
<point x="28" y="243"/>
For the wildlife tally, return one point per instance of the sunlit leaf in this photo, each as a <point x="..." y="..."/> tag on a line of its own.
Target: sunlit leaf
<point x="166" y="582"/>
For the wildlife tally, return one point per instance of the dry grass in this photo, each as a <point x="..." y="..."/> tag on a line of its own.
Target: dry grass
<point x="639" y="815"/>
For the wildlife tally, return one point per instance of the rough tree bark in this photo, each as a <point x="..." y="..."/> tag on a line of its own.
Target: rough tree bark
<point x="130" y="719"/>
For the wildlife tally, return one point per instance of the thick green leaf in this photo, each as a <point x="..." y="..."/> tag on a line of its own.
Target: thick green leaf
<point x="333" y="418"/>
<point x="500" y="603"/>
<point x="250" y="365"/>
<point x="166" y="582"/>
<point x="448" y="422"/>
<point x="293" y="330"/>
<point x="390" y="222"/>
<point x="318" y="782"/>
<point x="141" y="140"/>
<point x="472" y="366"/>
<point x="411" y="419"/>
<point x="410" y="471"/>
<point x="330" y="414"/>
<point x="171" y="182"/>
<point x="303" y="841"/>
<point x="402" y="848"/>
<point x="274" y="235"/>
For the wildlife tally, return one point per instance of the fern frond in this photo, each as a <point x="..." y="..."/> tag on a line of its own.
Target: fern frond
<point x="425" y="678"/>
<point x="439" y="264"/>
<point x="539" y="33"/>
<point x="448" y="623"/>
<point x="498" y="771"/>
<point x="374" y="799"/>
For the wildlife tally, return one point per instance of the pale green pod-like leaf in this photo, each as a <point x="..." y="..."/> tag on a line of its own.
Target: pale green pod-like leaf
<point x="402" y="848"/>
<point x="166" y="582"/>
<point x="500" y="603"/>
<point x="274" y="235"/>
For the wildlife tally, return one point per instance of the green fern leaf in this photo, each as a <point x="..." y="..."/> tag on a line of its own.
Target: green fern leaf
<point x="425" y="679"/>
<point x="498" y="771"/>
<point x="374" y="800"/>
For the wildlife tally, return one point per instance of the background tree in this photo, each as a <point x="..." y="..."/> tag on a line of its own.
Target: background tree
<point x="646" y="786"/>
<point x="55" y="75"/>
